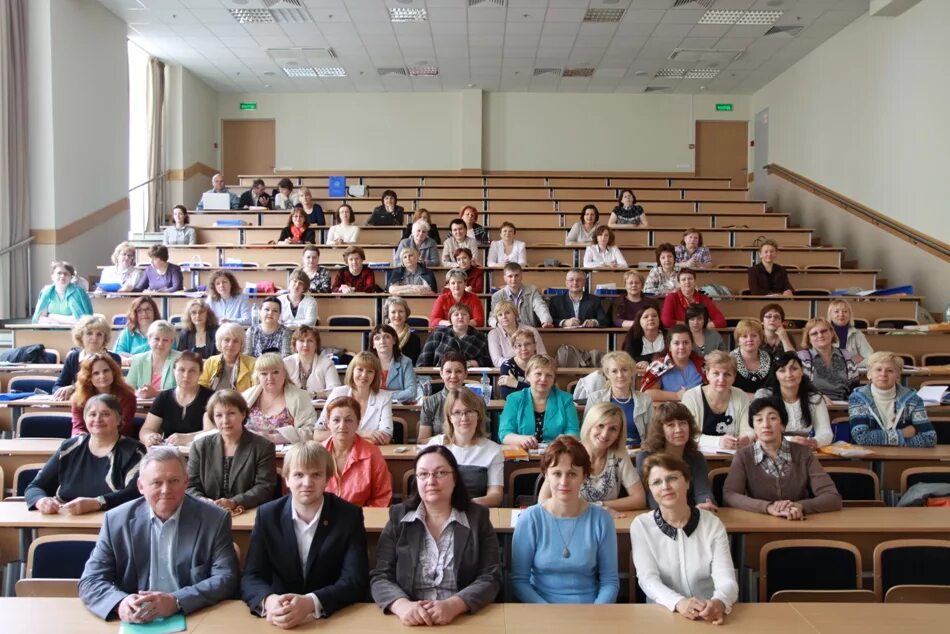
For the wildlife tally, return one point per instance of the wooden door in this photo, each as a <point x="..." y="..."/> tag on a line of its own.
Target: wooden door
<point x="721" y="150"/>
<point x="249" y="147"/>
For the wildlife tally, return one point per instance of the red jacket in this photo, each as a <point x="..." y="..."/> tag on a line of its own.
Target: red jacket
<point x="674" y="309"/>
<point x="445" y="301"/>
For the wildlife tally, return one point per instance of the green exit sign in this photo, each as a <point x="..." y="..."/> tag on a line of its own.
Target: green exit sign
<point x="251" y="105"/>
<point x="720" y="107"/>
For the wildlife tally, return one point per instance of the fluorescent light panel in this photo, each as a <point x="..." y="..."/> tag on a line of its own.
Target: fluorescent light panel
<point x="423" y="71"/>
<point x="252" y="16"/>
<point x="744" y="18"/>
<point x="330" y="71"/>
<point x="701" y="73"/>
<point x="408" y="14"/>
<point x="300" y="71"/>
<point x="604" y="15"/>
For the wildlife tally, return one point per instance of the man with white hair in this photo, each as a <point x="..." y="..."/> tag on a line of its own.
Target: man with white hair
<point x="218" y="187"/>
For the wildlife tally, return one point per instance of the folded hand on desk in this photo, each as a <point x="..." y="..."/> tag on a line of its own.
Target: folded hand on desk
<point x="787" y="509"/>
<point x="287" y="611"/>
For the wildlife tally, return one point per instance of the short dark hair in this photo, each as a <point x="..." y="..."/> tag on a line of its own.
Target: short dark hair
<point x="698" y="310"/>
<point x="759" y="404"/>
<point x="389" y="330"/>
<point x="453" y="356"/>
<point x="768" y="308"/>
<point x="285" y="183"/>
<point x="460" y="497"/>
<point x="570" y="446"/>
<point x="256" y="182"/>
<point x="190" y="357"/>
<point x="596" y="212"/>
<point x="665" y="461"/>
<point x="389" y="192"/>
<point x="665" y="247"/>
<point x="457" y="221"/>
<point x="159" y="251"/>
<point x="624" y="191"/>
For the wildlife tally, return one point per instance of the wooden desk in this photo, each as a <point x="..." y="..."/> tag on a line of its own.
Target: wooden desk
<point x="16" y="452"/>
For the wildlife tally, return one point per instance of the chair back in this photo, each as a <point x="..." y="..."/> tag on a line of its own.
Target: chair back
<point x="918" y="593"/>
<point x="523" y="486"/>
<point x="399" y="430"/>
<point x="31" y="383"/>
<point x="23" y="476"/>
<point x="48" y="588"/>
<point x="935" y="358"/>
<point x="942" y="428"/>
<point x="351" y="320"/>
<point x="408" y="484"/>
<point x="790" y="564"/>
<point x="856" y="485"/>
<point x="929" y="475"/>
<point x="42" y="425"/>
<point x="59" y="556"/>
<point x="417" y="321"/>
<point x="717" y="480"/>
<point x="824" y="596"/>
<point x="911" y="561"/>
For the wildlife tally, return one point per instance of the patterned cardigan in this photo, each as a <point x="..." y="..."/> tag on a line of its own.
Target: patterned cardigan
<point x="867" y="427"/>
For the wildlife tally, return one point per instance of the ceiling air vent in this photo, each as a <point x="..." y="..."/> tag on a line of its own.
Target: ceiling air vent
<point x="551" y="72"/>
<point x="290" y="16"/>
<point x="785" y="31"/>
<point x="657" y="88"/>
<point x="604" y="15"/>
<point x="706" y="56"/>
<point x="391" y="72"/>
<point x="486" y="3"/>
<point x="578" y="72"/>
<point x="279" y="4"/>
<point x="706" y="4"/>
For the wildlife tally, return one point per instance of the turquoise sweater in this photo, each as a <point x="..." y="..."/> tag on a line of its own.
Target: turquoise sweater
<point x="77" y="301"/>
<point x="560" y="416"/>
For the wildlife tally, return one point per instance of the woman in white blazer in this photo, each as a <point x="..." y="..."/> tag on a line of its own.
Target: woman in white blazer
<point x="297" y="308"/>
<point x="308" y="368"/>
<point x="506" y="250"/>
<point x="603" y="253"/>
<point x="363" y="379"/>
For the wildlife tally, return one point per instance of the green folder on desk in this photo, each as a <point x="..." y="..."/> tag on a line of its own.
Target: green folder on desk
<point x="173" y="623"/>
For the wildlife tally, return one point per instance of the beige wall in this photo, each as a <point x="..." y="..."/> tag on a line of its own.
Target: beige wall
<point x="192" y="131"/>
<point x="866" y="115"/>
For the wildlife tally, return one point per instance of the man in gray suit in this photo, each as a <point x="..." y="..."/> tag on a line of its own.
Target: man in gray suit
<point x="163" y="553"/>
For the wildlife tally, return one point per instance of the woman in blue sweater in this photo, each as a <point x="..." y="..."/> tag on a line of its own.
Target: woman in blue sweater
<point x="885" y="413"/>
<point x="564" y="550"/>
<point x="399" y="376"/>
<point x="63" y="301"/>
<point x="540" y="413"/>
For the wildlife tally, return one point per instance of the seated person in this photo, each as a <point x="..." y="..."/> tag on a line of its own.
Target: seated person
<point x="292" y="583"/>
<point x="91" y="335"/>
<point x="625" y="308"/>
<point x="506" y="250"/>
<point x="705" y="339"/>
<point x="841" y="318"/>
<point x="604" y="253"/>
<point x="298" y="229"/>
<point x="179" y="232"/>
<point x="691" y="254"/>
<point x="63" y="301"/>
<point x="230" y="369"/>
<point x="312" y="208"/>
<point x="542" y="412"/>
<point x="153" y="371"/>
<point x="453" y="372"/>
<point x="396" y="311"/>
<point x="396" y="369"/>
<point x="458" y="239"/>
<point x="775" y="476"/>
<point x="278" y="410"/>
<point x="610" y="465"/>
<point x="203" y="569"/>
<point x="228" y="301"/>
<point x="551" y="560"/>
<point x="627" y="211"/>
<point x="177" y="414"/>
<point x="767" y="277"/>
<point x="296" y="307"/>
<point x="412" y="278"/>
<point x="474" y="230"/>
<point x="719" y="409"/>
<point x="673" y="432"/>
<point x="270" y="335"/>
<point x="532" y="309"/>
<point x="95" y="471"/>
<point x="132" y="339"/>
<point x="363" y="382"/>
<point x="319" y="276"/>
<point x="249" y="198"/>
<point x="676" y="303"/>
<point x="808" y="420"/>
<point x="501" y="338"/>
<point x="776" y="337"/>
<point x="354" y="277"/>
<point x="455" y="293"/>
<point x="199" y="327"/>
<point x="831" y="369"/>
<point x="465" y="433"/>
<point x="475" y="276"/>
<point x="582" y="231"/>
<point x="681" y="552"/>
<point x="361" y="476"/>
<point x="887" y="413"/>
<point x="233" y="468"/>
<point x="460" y="336"/>
<point x="422" y="214"/>
<point x="309" y="368"/>
<point x="646" y="337"/>
<point x="217" y="187"/>
<point x="286" y="197"/>
<point x="661" y="280"/>
<point x="410" y="579"/>
<point x="578" y="308"/>
<point x="123" y="271"/>
<point x="753" y="362"/>
<point x="426" y="247"/>
<point x="161" y="276"/>
<point x="389" y="213"/>
<point x="637" y="409"/>
<point x="100" y="374"/>
<point x="511" y="375"/>
<point x="345" y="231"/>
<point x="669" y="376"/>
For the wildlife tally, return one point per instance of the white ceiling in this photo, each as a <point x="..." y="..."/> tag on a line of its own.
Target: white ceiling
<point x="494" y="48"/>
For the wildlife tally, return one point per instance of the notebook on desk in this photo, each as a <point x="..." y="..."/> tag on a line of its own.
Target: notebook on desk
<point x="211" y="201"/>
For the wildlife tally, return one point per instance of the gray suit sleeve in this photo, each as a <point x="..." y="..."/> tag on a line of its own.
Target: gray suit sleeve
<point x="97" y="586"/>
<point x="540" y="307"/>
<point x="217" y="580"/>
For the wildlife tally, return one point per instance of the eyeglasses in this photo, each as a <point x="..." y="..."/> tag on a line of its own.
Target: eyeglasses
<point x="422" y="476"/>
<point x="468" y="413"/>
<point x="670" y="479"/>
<point x="818" y="333"/>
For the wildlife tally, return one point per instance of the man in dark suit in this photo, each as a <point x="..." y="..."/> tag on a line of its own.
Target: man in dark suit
<point x="307" y="557"/>
<point x="578" y="308"/>
<point x="163" y="553"/>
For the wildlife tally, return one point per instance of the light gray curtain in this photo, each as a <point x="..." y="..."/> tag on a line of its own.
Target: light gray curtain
<point x="155" y="112"/>
<point x="14" y="174"/>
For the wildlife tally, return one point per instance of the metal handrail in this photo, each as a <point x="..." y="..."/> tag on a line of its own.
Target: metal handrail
<point x="13" y="247"/>
<point x="142" y="184"/>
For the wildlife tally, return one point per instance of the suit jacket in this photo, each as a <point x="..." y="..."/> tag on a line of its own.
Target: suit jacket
<point x="205" y="562"/>
<point x="336" y="569"/>
<point x="253" y="470"/>
<point x="477" y="562"/>
<point x="591" y="308"/>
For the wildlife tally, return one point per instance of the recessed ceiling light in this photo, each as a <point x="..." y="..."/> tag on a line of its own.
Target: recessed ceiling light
<point x="391" y="71"/>
<point x="300" y="71"/>
<point x="701" y="73"/>
<point x="745" y="18"/>
<point x="331" y="71"/>
<point x="407" y="14"/>
<point x="759" y="18"/>
<point x="252" y="16"/>
<point x="720" y="16"/>
<point x="556" y="72"/>
<point x="578" y="72"/>
<point x="604" y="15"/>
<point x="423" y="71"/>
<point x="674" y="73"/>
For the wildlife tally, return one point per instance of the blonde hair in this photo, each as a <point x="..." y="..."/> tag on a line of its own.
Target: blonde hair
<point x="718" y="358"/>
<point x="882" y="356"/>
<point x="620" y="358"/>
<point x="595" y="414"/>
<point x="309" y="454"/>
<point x="540" y="361"/>
<point x="811" y="323"/>
<point x="92" y="322"/>
<point x="266" y="362"/>
<point x="121" y="248"/>
<point x="841" y="302"/>
<point x="746" y="326"/>
<point x="503" y="305"/>
<point x="365" y="360"/>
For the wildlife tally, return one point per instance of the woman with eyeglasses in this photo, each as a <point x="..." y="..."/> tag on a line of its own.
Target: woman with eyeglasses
<point x="831" y="369"/>
<point x="775" y="338"/>
<point x="681" y="552"/>
<point x="501" y="344"/>
<point x="438" y="555"/>
<point x="465" y="434"/>
<point x="91" y="335"/>
<point x="132" y="339"/>
<point x="511" y="375"/>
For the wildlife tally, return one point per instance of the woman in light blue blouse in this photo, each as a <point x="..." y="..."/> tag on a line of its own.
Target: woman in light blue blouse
<point x="398" y="372"/>
<point x="564" y="550"/>
<point x="227" y="300"/>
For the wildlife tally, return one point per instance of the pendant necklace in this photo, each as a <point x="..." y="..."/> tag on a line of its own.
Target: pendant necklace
<point x="567" y="551"/>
